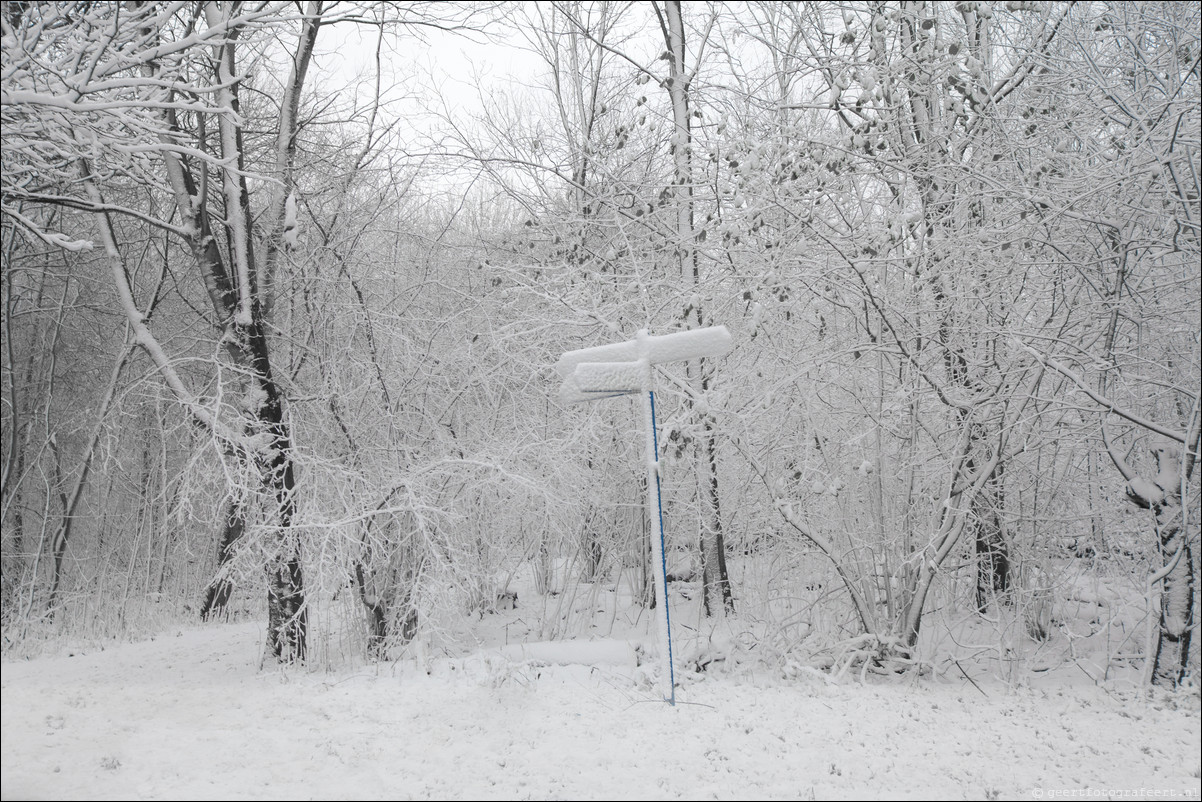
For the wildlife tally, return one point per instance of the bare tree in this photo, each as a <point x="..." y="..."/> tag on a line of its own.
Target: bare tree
<point x="124" y="95"/>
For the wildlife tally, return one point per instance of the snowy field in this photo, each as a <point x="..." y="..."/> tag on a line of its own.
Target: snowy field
<point x="191" y="715"/>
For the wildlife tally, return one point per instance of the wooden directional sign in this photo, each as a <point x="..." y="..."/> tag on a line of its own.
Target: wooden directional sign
<point x="623" y="368"/>
<point x="611" y="378"/>
<point x="601" y="365"/>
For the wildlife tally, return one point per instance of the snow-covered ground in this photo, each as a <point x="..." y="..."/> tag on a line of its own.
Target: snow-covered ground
<point x="191" y="715"/>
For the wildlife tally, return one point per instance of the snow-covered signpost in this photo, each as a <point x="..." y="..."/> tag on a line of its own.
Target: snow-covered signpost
<point x="621" y="369"/>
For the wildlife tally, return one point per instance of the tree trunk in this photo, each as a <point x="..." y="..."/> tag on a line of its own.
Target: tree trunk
<point x="287" y="622"/>
<point x="386" y="575"/>
<point x="715" y="579"/>
<point x="1171" y="663"/>
<point x="71" y="502"/>
<point x="217" y="595"/>
<point x="591" y="546"/>
<point x="993" y="553"/>
<point x="234" y="291"/>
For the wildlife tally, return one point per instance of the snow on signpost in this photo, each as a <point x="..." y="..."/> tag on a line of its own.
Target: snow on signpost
<point x="623" y="368"/>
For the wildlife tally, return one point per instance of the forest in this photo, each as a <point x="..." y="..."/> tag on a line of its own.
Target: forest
<point x="279" y="338"/>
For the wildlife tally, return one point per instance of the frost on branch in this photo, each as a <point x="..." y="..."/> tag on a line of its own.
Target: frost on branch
<point x="53" y="238"/>
<point x="1143" y="490"/>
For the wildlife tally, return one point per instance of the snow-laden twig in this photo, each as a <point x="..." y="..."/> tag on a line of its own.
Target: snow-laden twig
<point x="1103" y="401"/>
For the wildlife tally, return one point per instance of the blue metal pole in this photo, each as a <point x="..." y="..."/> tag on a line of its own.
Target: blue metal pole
<point x="657" y="515"/>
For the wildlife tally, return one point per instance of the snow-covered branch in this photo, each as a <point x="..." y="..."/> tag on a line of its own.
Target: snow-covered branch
<point x="1102" y="401"/>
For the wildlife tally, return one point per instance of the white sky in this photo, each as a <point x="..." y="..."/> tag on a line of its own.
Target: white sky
<point x="445" y="68"/>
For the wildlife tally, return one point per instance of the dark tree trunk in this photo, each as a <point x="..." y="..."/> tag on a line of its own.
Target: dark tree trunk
<point x="386" y="576"/>
<point x="714" y="578"/>
<point x="1162" y="495"/>
<point x="287" y="619"/>
<point x="382" y="615"/>
<point x="1171" y="663"/>
<point x="217" y="595"/>
<point x="993" y="553"/>
<point x="287" y="624"/>
<point x="592" y="550"/>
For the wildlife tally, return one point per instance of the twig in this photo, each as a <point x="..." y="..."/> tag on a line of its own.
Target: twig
<point x="970" y="679"/>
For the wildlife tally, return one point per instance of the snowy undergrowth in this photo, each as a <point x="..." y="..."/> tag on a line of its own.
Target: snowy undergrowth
<point x="793" y="620"/>
<point x="798" y="624"/>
